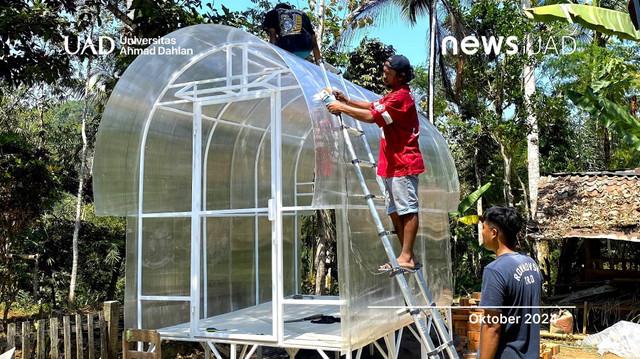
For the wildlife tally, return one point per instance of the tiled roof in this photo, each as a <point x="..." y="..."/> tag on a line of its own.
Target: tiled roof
<point x="596" y="205"/>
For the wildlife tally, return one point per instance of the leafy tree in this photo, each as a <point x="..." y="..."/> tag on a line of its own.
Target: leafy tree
<point x="365" y="64"/>
<point x="32" y="38"/>
<point x="27" y="187"/>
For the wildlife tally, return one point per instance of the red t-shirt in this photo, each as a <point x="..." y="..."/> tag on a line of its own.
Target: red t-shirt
<point x="396" y="114"/>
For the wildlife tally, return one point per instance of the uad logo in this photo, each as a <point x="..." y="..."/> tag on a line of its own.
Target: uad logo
<point x="106" y="45"/>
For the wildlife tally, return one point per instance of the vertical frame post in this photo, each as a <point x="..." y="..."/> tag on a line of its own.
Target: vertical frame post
<point x="276" y="217"/>
<point x="196" y="210"/>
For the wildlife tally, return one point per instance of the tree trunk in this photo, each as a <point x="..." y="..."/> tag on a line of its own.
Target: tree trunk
<point x="533" y="149"/>
<point x="34" y="279"/>
<point x="524" y="193"/>
<point x="114" y="280"/>
<point x="432" y="57"/>
<point x="320" y="28"/>
<point x="506" y="180"/>
<point x="542" y="250"/>
<point x="83" y="165"/>
<point x="478" y="175"/>
<point x="607" y="148"/>
<point x="320" y="258"/>
<point x="325" y="251"/>
<point x="5" y="280"/>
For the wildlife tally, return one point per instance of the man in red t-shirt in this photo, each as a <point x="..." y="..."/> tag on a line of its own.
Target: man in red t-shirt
<point x="400" y="160"/>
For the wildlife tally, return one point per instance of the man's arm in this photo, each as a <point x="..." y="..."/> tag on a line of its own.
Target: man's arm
<point x="355" y="103"/>
<point x="489" y="337"/>
<point x="360" y="114"/>
<point x="493" y="292"/>
<point x="272" y="35"/>
<point x="316" y="49"/>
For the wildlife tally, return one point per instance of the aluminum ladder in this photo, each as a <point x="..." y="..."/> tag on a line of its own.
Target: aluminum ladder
<point x="431" y="318"/>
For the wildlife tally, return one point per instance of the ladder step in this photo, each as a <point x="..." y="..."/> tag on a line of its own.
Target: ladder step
<point x="363" y="163"/>
<point x="439" y="349"/>
<point x="352" y="130"/>
<point x="386" y="233"/>
<point x="371" y="196"/>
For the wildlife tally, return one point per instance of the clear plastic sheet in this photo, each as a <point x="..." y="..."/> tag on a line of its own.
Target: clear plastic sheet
<point x="148" y="126"/>
<point x="621" y="339"/>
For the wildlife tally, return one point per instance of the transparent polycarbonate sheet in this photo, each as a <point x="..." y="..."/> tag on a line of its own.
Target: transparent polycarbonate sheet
<point x="305" y="158"/>
<point x="130" y="108"/>
<point x="131" y="271"/>
<point x="159" y="314"/>
<point x="232" y="271"/>
<point x="166" y="256"/>
<point x="433" y="242"/>
<point x="361" y="255"/>
<point x="288" y="257"/>
<point x="265" y="279"/>
<point x="167" y="180"/>
<point x="363" y="252"/>
<point x="218" y="263"/>
<point x="218" y="166"/>
<point x="241" y="231"/>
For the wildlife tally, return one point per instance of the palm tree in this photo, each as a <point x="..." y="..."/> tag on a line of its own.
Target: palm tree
<point x="411" y="9"/>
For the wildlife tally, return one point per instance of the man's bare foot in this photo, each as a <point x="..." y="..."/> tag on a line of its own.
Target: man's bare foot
<point x="402" y="262"/>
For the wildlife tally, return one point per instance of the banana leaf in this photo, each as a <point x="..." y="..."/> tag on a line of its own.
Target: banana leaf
<point x="614" y="116"/>
<point x="470" y="219"/>
<point x="606" y="21"/>
<point x="468" y="201"/>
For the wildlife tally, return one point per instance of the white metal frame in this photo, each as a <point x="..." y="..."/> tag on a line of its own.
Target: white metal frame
<point x="198" y="93"/>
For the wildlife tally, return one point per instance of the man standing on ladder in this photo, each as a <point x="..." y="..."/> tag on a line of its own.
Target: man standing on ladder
<point x="291" y="29"/>
<point x="400" y="161"/>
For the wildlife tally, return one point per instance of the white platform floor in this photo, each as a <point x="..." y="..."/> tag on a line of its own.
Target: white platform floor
<point x="245" y="324"/>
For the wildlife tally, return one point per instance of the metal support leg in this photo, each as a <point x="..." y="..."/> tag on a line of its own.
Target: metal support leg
<point x="323" y="354"/>
<point x="251" y="351"/>
<point x="215" y="351"/>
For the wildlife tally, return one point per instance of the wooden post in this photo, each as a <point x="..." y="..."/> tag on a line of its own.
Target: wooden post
<point x="584" y="321"/>
<point x="587" y="260"/>
<point x="54" y="338"/>
<point x="41" y="343"/>
<point x="11" y="335"/>
<point x="66" y="324"/>
<point x="79" y="343"/>
<point x="103" y="335"/>
<point x="26" y="327"/>
<point x="90" y="345"/>
<point x="112" y="316"/>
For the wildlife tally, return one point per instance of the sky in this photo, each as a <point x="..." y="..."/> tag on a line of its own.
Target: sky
<point x="392" y="30"/>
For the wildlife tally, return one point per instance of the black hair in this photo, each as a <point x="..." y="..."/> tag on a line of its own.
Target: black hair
<point x="283" y="5"/>
<point x="507" y="220"/>
<point x="406" y="74"/>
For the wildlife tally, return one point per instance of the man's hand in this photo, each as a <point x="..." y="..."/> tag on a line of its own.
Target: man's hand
<point x="340" y="96"/>
<point x="335" y="107"/>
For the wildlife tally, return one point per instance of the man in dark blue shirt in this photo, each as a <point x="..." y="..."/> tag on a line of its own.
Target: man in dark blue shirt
<point x="511" y="286"/>
<point x="291" y="29"/>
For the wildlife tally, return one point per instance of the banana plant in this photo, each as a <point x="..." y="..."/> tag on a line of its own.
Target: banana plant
<point x="466" y="203"/>
<point x="606" y="21"/>
<point x="597" y="100"/>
